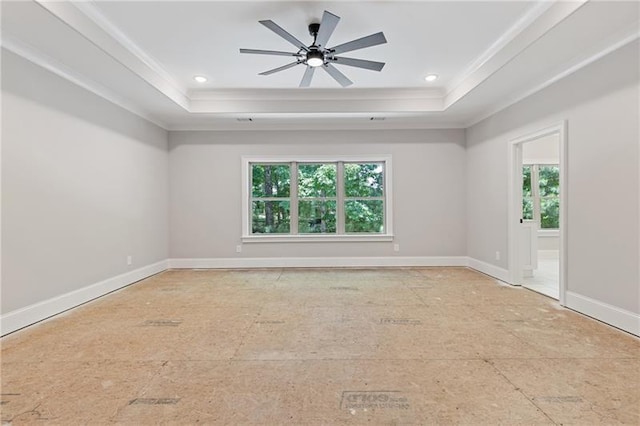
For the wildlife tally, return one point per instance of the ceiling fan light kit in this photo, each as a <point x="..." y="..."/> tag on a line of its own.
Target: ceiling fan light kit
<point x="315" y="58"/>
<point x="317" y="55"/>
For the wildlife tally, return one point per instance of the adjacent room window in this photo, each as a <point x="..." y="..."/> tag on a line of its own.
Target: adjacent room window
<point x="541" y="194"/>
<point x="317" y="198"/>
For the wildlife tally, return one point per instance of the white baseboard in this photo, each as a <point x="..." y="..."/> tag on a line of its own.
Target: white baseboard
<point x="489" y="269"/>
<point x="617" y="317"/>
<point x="316" y="262"/>
<point x="23" y="317"/>
<point x="31" y="314"/>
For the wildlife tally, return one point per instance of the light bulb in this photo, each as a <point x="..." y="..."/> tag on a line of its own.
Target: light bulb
<point x="315" y="62"/>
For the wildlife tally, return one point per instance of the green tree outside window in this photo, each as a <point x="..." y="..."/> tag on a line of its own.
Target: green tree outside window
<point x="541" y="195"/>
<point x="319" y="196"/>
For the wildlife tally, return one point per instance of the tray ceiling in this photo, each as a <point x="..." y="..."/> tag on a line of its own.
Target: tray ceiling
<point x="143" y="56"/>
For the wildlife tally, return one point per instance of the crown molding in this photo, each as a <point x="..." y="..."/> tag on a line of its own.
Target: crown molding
<point x="540" y="7"/>
<point x="310" y="106"/>
<point x="513" y="46"/>
<point x="364" y="124"/>
<point x="103" y="37"/>
<point x="276" y="101"/>
<point x="624" y="37"/>
<point x="88" y="8"/>
<point x="31" y="54"/>
<point x="297" y="94"/>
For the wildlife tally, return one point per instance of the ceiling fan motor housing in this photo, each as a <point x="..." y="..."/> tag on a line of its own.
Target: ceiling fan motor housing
<point x="313" y="29"/>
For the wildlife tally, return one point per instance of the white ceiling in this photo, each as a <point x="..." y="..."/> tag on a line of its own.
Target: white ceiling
<point x="190" y="38"/>
<point x="143" y="56"/>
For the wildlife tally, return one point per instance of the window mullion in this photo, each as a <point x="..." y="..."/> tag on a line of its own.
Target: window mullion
<point x="340" y="198"/>
<point x="249" y="210"/>
<point x="293" y="203"/>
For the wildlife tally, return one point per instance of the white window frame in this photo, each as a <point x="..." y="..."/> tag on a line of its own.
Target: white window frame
<point x="247" y="237"/>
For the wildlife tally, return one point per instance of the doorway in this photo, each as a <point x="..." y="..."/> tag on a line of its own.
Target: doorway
<point x="537" y="222"/>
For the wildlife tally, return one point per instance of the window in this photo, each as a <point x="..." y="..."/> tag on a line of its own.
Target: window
<point x="541" y="194"/>
<point x="316" y="199"/>
<point x="271" y="201"/>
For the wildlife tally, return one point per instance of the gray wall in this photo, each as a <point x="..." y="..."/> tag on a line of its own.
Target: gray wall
<point x="600" y="104"/>
<point x="84" y="185"/>
<point x="429" y="197"/>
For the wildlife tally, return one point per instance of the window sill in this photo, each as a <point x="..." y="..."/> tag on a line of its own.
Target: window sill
<point x="315" y="238"/>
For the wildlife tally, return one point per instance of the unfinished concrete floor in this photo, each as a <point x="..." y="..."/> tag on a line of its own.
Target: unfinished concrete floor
<point x="326" y="346"/>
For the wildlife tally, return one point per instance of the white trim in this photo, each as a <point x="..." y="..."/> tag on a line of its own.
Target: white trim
<point x="628" y="35"/>
<point x="526" y="20"/>
<point x="549" y="19"/>
<point x="336" y="262"/>
<point x="88" y="7"/>
<point x="617" y="317"/>
<point x="540" y="162"/>
<point x="104" y="40"/>
<point x="316" y="238"/>
<point x="246" y="180"/>
<point x="514" y="213"/>
<point x="514" y="203"/>
<point x="548" y="233"/>
<point x="317" y="94"/>
<point x="31" y="314"/>
<point x="563" y="219"/>
<point x="38" y="58"/>
<point x="247" y="237"/>
<point x="489" y="269"/>
<point x="310" y="124"/>
<point x="549" y="254"/>
<point x="316" y="262"/>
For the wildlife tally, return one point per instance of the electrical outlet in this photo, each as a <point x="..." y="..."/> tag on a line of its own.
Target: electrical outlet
<point x="129" y="260"/>
<point x="396" y="247"/>
<point x="238" y="249"/>
<point x="497" y="255"/>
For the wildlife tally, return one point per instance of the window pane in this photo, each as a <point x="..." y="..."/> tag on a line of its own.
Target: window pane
<point x="316" y="180"/>
<point x="270" y="180"/>
<point x="363" y="180"/>
<point x="550" y="213"/>
<point x="549" y="180"/>
<point x="527" y="208"/>
<point x="316" y="217"/>
<point x="270" y="217"/>
<point x="526" y="181"/>
<point x="364" y="216"/>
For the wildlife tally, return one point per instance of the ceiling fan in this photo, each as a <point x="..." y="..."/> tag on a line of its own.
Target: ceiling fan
<point x="317" y="55"/>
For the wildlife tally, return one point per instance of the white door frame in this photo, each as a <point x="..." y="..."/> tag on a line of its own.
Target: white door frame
<point x="515" y="203"/>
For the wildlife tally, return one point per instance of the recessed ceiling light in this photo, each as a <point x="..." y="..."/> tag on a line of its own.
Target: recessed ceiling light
<point x="200" y="78"/>
<point x="431" y="77"/>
